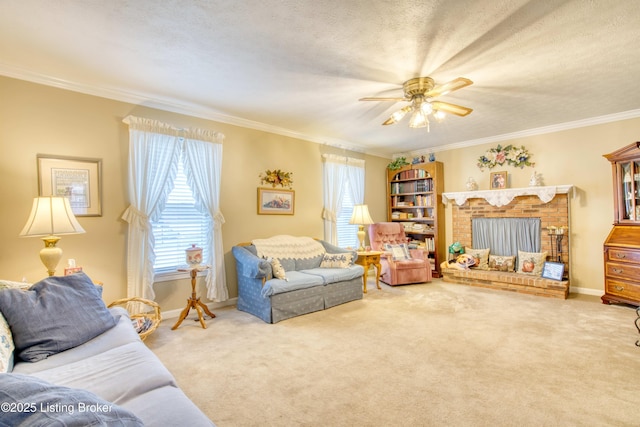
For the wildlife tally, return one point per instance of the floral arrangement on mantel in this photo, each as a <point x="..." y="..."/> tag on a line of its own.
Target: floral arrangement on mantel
<point x="511" y="155"/>
<point x="276" y="177"/>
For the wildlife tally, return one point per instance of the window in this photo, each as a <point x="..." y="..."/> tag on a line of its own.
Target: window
<point x="347" y="233"/>
<point x="343" y="188"/>
<point x="179" y="226"/>
<point x="154" y="152"/>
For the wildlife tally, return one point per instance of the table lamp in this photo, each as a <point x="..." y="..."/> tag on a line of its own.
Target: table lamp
<point x="361" y="217"/>
<point x="50" y="216"/>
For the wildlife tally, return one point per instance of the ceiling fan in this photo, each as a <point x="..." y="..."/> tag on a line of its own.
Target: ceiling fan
<point x="421" y="92"/>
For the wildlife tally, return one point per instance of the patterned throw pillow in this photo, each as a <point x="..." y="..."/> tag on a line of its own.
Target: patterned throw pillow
<point x="336" y="260"/>
<point x="6" y="346"/>
<point x="398" y="252"/>
<point x="278" y="269"/>
<point x="481" y="256"/>
<point x="531" y="262"/>
<point x="502" y="263"/>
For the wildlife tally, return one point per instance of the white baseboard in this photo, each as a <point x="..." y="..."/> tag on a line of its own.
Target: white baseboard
<point x="212" y="306"/>
<point x="232" y="301"/>
<point x="586" y="291"/>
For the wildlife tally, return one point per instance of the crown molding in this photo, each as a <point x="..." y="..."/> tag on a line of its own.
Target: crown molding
<point x="174" y="106"/>
<point x="179" y="107"/>
<point x="631" y="114"/>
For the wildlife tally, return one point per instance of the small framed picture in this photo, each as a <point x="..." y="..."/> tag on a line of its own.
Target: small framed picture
<point x="498" y="180"/>
<point x="275" y="202"/>
<point x="553" y="270"/>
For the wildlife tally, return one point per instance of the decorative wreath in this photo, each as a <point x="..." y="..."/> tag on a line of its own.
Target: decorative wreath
<point x="276" y="177"/>
<point x="511" y="155"/>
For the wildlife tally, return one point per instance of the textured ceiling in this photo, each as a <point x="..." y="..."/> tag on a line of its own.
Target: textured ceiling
<point x="298" y="67"/>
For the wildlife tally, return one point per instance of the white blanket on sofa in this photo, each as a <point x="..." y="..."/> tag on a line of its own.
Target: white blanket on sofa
<point x="285" y="246"/>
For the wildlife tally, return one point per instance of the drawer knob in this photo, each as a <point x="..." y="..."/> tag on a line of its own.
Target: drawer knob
<point x="619" y="255"/>
<point x="619" y="288"/>
<point x="618" y="270"/>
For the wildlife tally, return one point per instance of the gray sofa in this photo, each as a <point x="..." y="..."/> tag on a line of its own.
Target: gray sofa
<point x="109" y="379"/>
<point x="317" y="275"/>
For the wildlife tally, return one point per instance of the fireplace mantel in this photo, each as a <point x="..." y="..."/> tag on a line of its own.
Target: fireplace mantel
<point x="503" y="197"/>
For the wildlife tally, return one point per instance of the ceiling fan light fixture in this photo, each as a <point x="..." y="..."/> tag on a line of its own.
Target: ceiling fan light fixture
<point x="418" y="119"/>
<point x="398" y="115"/>
<point x="439" y="115"/>
<point x="421" y="93"/>
<point x="426" y="108"/>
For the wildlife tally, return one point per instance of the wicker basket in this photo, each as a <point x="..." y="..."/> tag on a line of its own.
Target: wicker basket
<point x="153" y="315"/>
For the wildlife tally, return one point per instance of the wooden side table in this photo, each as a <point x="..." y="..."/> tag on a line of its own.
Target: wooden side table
<point x="368" y="259"/>
<point x="194" y="301"/>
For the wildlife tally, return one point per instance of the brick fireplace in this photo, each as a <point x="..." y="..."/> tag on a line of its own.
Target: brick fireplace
<point x="524" y="203"/>
<point x="554" y="213"/>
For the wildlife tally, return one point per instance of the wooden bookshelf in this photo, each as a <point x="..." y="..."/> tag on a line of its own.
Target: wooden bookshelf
<point x="414" y="198"/>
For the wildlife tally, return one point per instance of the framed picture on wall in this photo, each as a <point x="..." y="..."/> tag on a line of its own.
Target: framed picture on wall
<point x="498" y="180"/>
<point x="276" y="202"/>
<point x="78" y="179"/>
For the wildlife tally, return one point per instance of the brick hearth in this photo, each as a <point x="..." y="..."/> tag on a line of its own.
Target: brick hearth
<point x="514" y="282"/>
<point x="553" y="213"/>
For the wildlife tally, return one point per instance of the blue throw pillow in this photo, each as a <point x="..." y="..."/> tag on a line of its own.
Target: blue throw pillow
<point x="35" y="402"/>
<point x="55" y="314"/>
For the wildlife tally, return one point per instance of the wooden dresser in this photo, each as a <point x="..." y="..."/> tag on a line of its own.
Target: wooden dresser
<point x="622" y="265"/>
<point x="622" y="247"/>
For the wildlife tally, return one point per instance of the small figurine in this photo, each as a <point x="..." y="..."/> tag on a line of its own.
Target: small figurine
<point x="432" y="157"/>
<point x="536" y="179"/>
<point x="472" y="185"/>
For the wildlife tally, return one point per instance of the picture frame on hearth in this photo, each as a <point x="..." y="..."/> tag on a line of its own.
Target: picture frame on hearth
<point x="498" y="180"/>
<point x="553" y="270"/>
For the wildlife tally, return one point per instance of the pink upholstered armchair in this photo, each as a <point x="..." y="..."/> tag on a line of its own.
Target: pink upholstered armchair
<point x="416" y="269"/>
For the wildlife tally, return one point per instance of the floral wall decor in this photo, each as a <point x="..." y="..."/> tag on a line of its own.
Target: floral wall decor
<point x="276" y="178"/>
<point x="511" y="155"/>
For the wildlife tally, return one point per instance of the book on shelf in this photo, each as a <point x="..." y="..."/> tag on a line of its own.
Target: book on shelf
<point x="412" y="174"/>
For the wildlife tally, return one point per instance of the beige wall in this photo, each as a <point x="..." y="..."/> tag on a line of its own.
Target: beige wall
<point x="39" y="119"/>
<point x="566" y="157"/>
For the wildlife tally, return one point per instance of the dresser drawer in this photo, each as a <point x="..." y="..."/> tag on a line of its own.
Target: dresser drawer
<point x="623" y="271"/>
<point x="622" y="288"/>
<point x="623" y="255"/>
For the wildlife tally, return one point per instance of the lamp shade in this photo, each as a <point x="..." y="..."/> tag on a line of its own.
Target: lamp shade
<point x="361" y="215"/>
<point x="51" y="215"/>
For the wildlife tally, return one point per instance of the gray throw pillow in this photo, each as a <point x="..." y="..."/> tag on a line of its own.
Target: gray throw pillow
<point x="55" y="314"/>
<point x="35" y="402"/>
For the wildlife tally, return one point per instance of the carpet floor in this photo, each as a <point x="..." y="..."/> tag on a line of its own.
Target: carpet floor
<point x="435" y="354"/>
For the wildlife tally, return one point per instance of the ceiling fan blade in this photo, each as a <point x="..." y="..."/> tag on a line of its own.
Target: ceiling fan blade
<point x="445" y="88"/>
<point x="382" y="99"/>
<point x="458" y="110"/>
